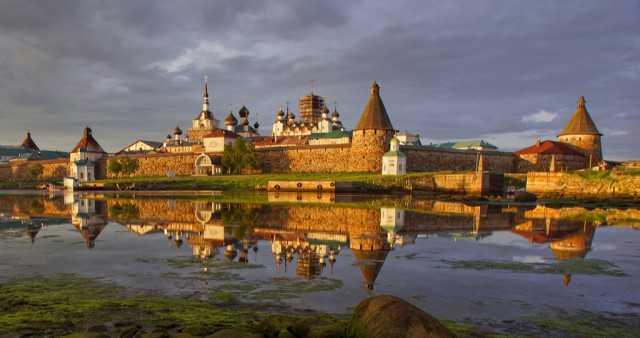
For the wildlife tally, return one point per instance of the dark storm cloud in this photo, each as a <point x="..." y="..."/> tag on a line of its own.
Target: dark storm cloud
<point x="448" y="70"/>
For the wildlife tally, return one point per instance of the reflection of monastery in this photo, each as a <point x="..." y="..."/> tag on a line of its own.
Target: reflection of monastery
<point x="311" y="238"/>
<point x="316" y="142"/>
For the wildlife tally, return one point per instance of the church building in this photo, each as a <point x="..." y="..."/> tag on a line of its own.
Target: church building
<point x="205" y="123"/>
<point x="83" y="158"/>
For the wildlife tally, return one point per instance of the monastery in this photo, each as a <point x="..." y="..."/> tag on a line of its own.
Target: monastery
<point x="317" y="142"/>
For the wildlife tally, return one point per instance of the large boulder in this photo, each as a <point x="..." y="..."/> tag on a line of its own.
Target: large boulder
<point x="388" y="316"/>
<point x="525" y="196"/>
<point x="314" y="327"/>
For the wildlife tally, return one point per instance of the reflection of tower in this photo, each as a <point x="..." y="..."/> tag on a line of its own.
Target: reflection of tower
<point x="392" y="221"/>
<point x="244" y="252"/>
<point x="370" y="265"/>
<point x="206" y="243"/>
<point x="178" y="243"/>
<point x="332" y="258"/>
<point x="86" y="220"/>
<point x="33" y="230"/>
<point x="370" y="247"/>
<point x="307" y="265"/>
<point x="230" y="253"/>
<point x="575" y="244"/>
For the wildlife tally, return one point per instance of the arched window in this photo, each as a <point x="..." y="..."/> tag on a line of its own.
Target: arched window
<point x="81" y="175"/>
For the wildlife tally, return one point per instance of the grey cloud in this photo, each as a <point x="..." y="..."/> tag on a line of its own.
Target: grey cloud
<point x="447" y="70"/>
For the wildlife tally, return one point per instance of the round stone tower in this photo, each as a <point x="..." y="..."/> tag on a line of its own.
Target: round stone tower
<point x="582" y="135"/>
<point x="370" y="139"/>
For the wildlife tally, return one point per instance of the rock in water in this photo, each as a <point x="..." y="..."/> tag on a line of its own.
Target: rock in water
<point x="525" y="196"/>
<point x="388" y="316"/>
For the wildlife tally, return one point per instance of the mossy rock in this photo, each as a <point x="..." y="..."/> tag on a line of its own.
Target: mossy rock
<point x="231" y="333"/>
<point x="197" y="331"/>
<point x="525" y="196"/>
<point x="156" y="335"/>
<point x="388" y="316"/>
<point x="129" y="332"/>
<point x="271" y="326"/>
<point x="316" y="327"/>
<point x="286" y="334"/>
<point x="83" y="335"/>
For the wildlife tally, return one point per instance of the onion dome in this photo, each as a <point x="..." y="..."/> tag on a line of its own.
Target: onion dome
<point x="230" y="253"/>
<point x="291" y="116"/>
<point x="335" y="114"/>
<point x="280" y="113"/>
<point x="243" y="112"/>
<point x="231" y="120"/>
<point x="256" y="125"/>
<point x="177" y="131"/>
<point x="325" y="110"/>
<point x="168" y="136"/>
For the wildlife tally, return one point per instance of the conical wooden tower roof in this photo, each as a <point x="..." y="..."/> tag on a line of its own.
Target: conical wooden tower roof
<point x="581" y="122"/>
<point x="374" y="115"/>
<point x="29" y="144"/>
<point x="89" y="144"/>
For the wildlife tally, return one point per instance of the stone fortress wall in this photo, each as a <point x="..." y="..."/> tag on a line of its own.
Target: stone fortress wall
<point x="54" y="170"/>
<point x="318" y="158"/>
<point x="325" y="158"/>
<point x="155" y="164"/>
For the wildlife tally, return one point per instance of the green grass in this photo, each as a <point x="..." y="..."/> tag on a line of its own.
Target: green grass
<point x="8" y="185"/>
<point x="586" y="324"/>
<point x="70" y="304"/>
<point x="565" y="267"/>
<point x="250" y="181"/>
<point x="630" y="172"/>
<point x="591" y="175"/>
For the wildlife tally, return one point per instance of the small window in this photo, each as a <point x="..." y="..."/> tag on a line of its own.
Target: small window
<point x="81" y="175"/>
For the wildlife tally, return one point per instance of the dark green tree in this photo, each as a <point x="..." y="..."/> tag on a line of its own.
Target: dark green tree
<point x="249" y="158"/>
<point x="239" y="156"/>
<point x="114" y="166"/>
<point x="36" y="170"/>
<point x="128" y="164"/>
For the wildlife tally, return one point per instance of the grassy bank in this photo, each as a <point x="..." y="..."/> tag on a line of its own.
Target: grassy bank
<point x="10" y="185"/>
<point x="250" y="181"/>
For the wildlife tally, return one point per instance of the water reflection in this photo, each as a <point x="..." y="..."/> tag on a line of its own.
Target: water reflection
<point x="308" y="236"/>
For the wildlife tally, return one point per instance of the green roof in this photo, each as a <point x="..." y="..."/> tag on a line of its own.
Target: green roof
<point x="394" y="154"/>
<point x="183" y="144"/>
<point x="13" y="150"/>
<point x="464" y="144"/>
<point x="47" y="155"/>
<point x="83" y="162"/>
<point x="332" y="134"/>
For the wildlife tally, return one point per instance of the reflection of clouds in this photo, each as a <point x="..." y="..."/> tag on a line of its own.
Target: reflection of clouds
<point x="529" y="259"/>
<point x="605" y="247"/>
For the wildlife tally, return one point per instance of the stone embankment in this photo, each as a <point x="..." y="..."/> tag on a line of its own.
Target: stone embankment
<point x="560" y="185"/>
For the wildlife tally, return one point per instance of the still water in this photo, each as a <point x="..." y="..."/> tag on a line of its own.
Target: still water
<point x="329" y="252"/>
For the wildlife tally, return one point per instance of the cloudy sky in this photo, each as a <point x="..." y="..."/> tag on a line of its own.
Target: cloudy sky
<point x="509" y="72"/>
